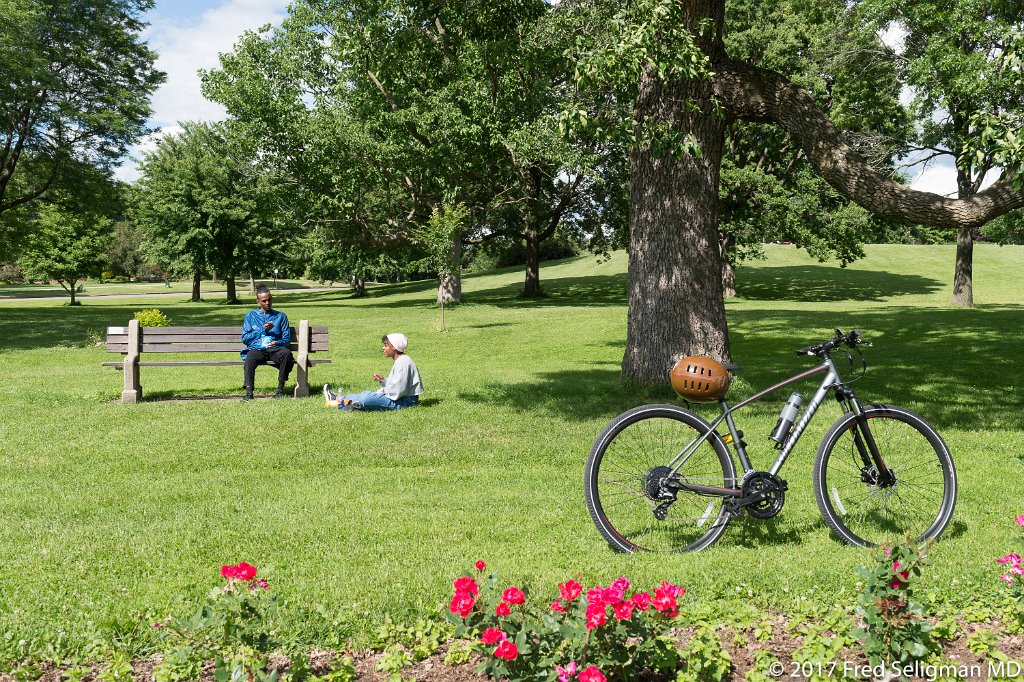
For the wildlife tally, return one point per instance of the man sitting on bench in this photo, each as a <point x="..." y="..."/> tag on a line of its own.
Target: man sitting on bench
<point x="267" y="336"/>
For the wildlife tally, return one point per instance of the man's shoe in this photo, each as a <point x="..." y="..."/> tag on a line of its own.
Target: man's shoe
<point x="247" y="397"/>
<point x="279" y="393"/>
<point x="329" y="395"/>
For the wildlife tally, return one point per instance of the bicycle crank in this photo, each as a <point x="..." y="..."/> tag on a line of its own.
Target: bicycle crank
<point x="763" y="495"/>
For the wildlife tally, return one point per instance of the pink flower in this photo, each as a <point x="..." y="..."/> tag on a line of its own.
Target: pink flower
<point x="564" y="674"/>
<point x="1008" y="579"/>
<point x="480" y="565"/>
<point x="570" y="589"/>
<point x="1011" y="559"/>
<point x="596" y="616"/>
<point x="465" y="584"/>
<point x="623" y="610"/>
<point x="674" y="590"/>
<point x="621" y="584"/>
<point x="896" y="569"/>
<point x="241" y="571"/>
<point x="664" y="600"/>
<point x="262" y="582"/>
<point x="502" y="609"/>
<point x="1020" y="520"/>
<point x="642" y="601"/>
<point x="595" y="596"/>
<point x="557" y="606"/>
<point x="1017" y="569"/>
<point x="592" y="674"/>
<point x="896" y="584"/>
<point x="492" y="635"/>
<point x="888" y="552"/>
<point x="462" y="603"/>
<point x="513" y="595"/>
<point x="507" y="650"/>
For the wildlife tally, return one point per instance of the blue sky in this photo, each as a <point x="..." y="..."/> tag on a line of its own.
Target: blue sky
<point x="188" y="35"/>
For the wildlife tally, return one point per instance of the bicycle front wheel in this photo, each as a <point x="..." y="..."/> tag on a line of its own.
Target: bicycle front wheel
<point x="628" y="471"/>
<point x="865" y="513"/>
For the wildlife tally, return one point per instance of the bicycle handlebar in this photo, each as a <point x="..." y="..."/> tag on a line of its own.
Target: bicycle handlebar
<point x="851" y="339"/>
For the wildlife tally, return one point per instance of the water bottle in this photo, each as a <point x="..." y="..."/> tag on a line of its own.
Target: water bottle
<point x="786" y="418"/>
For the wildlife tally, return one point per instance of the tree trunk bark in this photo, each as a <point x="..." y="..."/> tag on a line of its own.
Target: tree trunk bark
<point x="252" y="284"/>
<point x="230" y="282"/>
<point x="963" y="273"/>
<point x="676" y="307"/>
<point x="449" y="291"/>
<point x="725" y="240"/>
<point x="197" y="278"/>
<point x="531" y="289"/>
<point x="359" y="287"/>
<point x="71" y="290"/>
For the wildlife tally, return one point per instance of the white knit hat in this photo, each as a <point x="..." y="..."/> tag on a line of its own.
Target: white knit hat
<point x="398" y="342"/>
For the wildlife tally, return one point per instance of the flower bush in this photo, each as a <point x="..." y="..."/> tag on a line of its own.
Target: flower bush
<point x="1014" y="569"/>
<point x="589" y="636"/>
<point x="895" y="630"/>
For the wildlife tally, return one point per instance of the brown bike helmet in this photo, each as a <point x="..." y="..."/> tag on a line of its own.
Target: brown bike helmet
<point x="700" y="378"/>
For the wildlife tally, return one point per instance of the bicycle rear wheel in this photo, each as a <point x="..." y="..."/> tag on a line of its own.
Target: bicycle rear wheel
<point x="864" y="513"/>
<point x="626" y="466"/>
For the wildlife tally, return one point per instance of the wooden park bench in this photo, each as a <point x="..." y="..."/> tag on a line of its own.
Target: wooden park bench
<point x="132" y="341"/>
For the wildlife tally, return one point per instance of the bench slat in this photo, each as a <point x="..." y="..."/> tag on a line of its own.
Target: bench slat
<point x="207" y="363"/>
<point x="232" y="346"/>
<point x="201" y="331"/>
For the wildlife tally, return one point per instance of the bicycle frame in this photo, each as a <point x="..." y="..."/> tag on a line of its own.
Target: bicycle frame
<point x="830" y="382"/>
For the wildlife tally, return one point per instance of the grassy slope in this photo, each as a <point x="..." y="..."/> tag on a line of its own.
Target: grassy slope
<point x="108" y="510"/>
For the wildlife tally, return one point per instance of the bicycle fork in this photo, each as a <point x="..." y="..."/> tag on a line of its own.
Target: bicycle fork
<point x="874" y="472"/>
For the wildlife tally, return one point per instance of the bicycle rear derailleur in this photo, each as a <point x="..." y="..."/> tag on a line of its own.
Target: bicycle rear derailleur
<point x="762" y="495"/>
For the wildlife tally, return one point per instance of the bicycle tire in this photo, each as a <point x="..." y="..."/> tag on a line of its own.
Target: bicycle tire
<point x="620" y="465"/>
<point x="921" y="502"/>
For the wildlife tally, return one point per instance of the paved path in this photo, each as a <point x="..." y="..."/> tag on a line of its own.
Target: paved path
<point x="180" y="292"/>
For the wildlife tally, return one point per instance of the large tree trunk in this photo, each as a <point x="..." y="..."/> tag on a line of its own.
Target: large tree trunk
<point x="359" y="287"/>
<point x="449" y="290"/>
<point x="532" y="285"/>
<point x="232" y="296"/>
<point x="197" y="278"/>
<point x="676" y="307"/>
<point x="963" y="286"/>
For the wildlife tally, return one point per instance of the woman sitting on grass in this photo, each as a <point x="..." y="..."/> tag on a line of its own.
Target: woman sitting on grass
<point x="401" y="388"/>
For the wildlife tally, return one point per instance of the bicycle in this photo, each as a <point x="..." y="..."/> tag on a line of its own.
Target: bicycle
<point x="660" y="477"/>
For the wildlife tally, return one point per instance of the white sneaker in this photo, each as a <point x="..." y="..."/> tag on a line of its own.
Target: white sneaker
<point x="329" y="395"/>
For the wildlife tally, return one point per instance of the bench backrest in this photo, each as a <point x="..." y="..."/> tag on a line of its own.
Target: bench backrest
<point x="200" y="339"/>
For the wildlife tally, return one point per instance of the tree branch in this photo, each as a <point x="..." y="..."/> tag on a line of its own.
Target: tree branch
<point x="752" y="93"/>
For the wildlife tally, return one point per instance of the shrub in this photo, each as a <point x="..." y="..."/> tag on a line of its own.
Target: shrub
<point x="152" y="317"/>
<point x="11" y="274"/>
<point x="895" y="630"/>
<point x="1014" y="578"/>
<point x="602" y="633"/>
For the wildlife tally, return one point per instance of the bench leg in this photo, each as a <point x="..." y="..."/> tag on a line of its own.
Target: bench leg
<point x="132" y="392"/>
<point x="301" y="380"/>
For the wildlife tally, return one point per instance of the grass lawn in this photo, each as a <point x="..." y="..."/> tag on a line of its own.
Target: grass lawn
<point x="110" y="511"/>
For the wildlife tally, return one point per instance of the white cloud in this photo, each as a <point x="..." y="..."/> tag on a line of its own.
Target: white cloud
<point x="184" y="47"/>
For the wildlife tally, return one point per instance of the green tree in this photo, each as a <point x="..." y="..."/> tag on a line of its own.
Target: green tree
<point x="952" y="59"/>
<point x="77" y="82"/>
<point x="667" y="59"/>
<point x="381" y="109"/>
<point x="204" y="204"/>
<point x="65" y="246"/>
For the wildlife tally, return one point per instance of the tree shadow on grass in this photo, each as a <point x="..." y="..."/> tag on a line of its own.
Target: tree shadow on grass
<point x="574" y="292"/>
<point x="820" y="283"/>
<point x="951" y="366"/>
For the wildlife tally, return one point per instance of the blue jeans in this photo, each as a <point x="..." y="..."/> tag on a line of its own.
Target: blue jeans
<point x="369" y="400"/>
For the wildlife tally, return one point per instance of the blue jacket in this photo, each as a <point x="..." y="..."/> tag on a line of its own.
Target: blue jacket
<point x="253" y="333"/>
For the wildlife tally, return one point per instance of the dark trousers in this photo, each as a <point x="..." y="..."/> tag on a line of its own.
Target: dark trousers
<point x="279" y="356"/>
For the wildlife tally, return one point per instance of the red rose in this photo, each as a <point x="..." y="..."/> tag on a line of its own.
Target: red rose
<point x="462" y="603"/>
<point x="229" y="572"/>
<point x="513" y="595"/>
<point x="596" y="616"/>
<point x="642" y="601"/>
<point x="465" y="584"/>
<point x="557" y="606"/>
<point x="507" y="650"/>
<point x="595" y="597"/>
<point x="592" y="674"/>
<point x="623" y="610"/>
<point x="570" y="589"/>
<point x="492" y="635"/>
<point x="502" y="609"/>
<point x="665" y="599"/>
<point x="246" y="571"/>
<point x="480" y="565"/>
